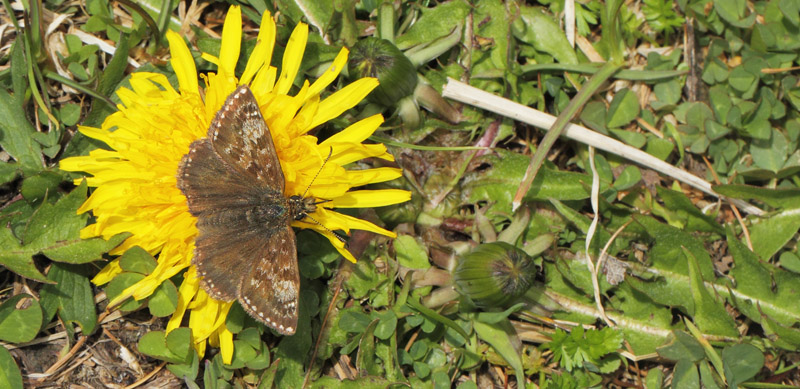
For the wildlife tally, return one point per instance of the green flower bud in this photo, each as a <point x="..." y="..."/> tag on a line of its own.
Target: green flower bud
<point x="494" y="274"/>
<point x="379" y="58"/>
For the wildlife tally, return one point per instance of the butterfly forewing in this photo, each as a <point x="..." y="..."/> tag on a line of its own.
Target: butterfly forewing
<point x="241" y="138"/>
<point x="270" y="292"/>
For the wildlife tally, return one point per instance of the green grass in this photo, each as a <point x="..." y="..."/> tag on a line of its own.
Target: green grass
<point x="680" y="285"/>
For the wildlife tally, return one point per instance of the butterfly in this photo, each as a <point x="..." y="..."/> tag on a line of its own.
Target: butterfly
<point x="246" y="249"/>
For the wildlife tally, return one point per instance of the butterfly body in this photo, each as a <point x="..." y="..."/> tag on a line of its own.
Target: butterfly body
<point x="245" y="249"/>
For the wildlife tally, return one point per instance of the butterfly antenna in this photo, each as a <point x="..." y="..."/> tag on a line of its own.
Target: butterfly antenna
<point x="322" y="201"/>
<point x="342" y="239"/>
<point x="317" y="175"/>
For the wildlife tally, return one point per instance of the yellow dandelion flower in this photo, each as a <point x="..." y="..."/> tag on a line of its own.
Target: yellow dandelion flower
<point x="135" y="181"/>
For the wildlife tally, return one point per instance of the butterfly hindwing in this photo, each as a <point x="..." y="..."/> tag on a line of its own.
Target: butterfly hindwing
<point x="270" y="291"/>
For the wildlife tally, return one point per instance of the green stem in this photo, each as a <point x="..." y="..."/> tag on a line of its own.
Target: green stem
<point x="386" y="21"/>
<point x="147" y="19"/>
<point x="72" y="84"/>
<point x="623" y="74"/>
<point x="575" y="105"/>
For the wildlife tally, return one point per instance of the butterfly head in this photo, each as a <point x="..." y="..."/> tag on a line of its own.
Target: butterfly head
<point x="300" y="207"/>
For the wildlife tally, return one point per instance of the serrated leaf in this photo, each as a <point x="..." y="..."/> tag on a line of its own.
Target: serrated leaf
<point x="71" y="297"/>
<point x="672" y="287"/>
<point x="78" y="251"/>
<point x="501" y="180"/>
<point x="19" y="325"/>
<point x="754" y="295"/>
<point x="18" y="259"/>
<point x="36" y="187"/>
<point x="710" y="314"/>
<point x="8" y="172"/>
<point x="51" y="224"/>
<point x="10" y="376"/>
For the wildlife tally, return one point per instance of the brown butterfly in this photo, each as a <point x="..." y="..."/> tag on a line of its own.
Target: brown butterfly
<point x="233" y="183"/>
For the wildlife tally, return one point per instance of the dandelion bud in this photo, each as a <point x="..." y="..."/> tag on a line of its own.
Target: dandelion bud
<point x="494" y="274"/>
<point x="379" y="58"/>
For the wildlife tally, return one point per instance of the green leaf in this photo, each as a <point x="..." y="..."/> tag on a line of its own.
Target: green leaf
<point x="434" y="23"/>
<point x="770" y="153"/>
<point x="137" y="260"/>
<point x="54" y="230"/>
<point x="501" y="180"/>
<point x="16" y="258"/>
<point x="503" y="339"/>
<point x="733" y="12"/>
<point x="668" y="92"/>
<point x="8" y="172"/>
<point x="695" y="220"/>
<point x="741" y="80"/>
<point x="16" y="136"/>
<point x="755" y="295"/>
<point x="37" y="186"/>
<point x="173" y="348"/>
<point x="77" y="251"/>
<point x="540" y="30"/>
<point x="742" y="362"/>
<point x="770" y="234"/>
<point x="710" y="314"/>
<point x="365" y="360"/>
<point x="790" y="261"/>
<point x="623" y="109"/>
<point x="164" y="299"/>
<point x="685" y="375"/>
<point x="387" y="325"/>
<point x="71" y="297"/>
<point x="774" y="197"/>
<point x="317" y="13"/>
<point x="186" y="372"/>
<point x="118" y="285"/>
<point x="682" y="346"/>
<point x="410" y="253"/>
<point x="629" y="177"/>
<point x="667" y="260"/>
<point x="634" y="139"/>
<point x="18" y="325"/>
<point x="10" y="377"/>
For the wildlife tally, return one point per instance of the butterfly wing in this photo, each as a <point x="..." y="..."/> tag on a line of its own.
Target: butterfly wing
<point x="269" y="293"/>
<point x="220" y="198"/>
<point x="239" y="135"/>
